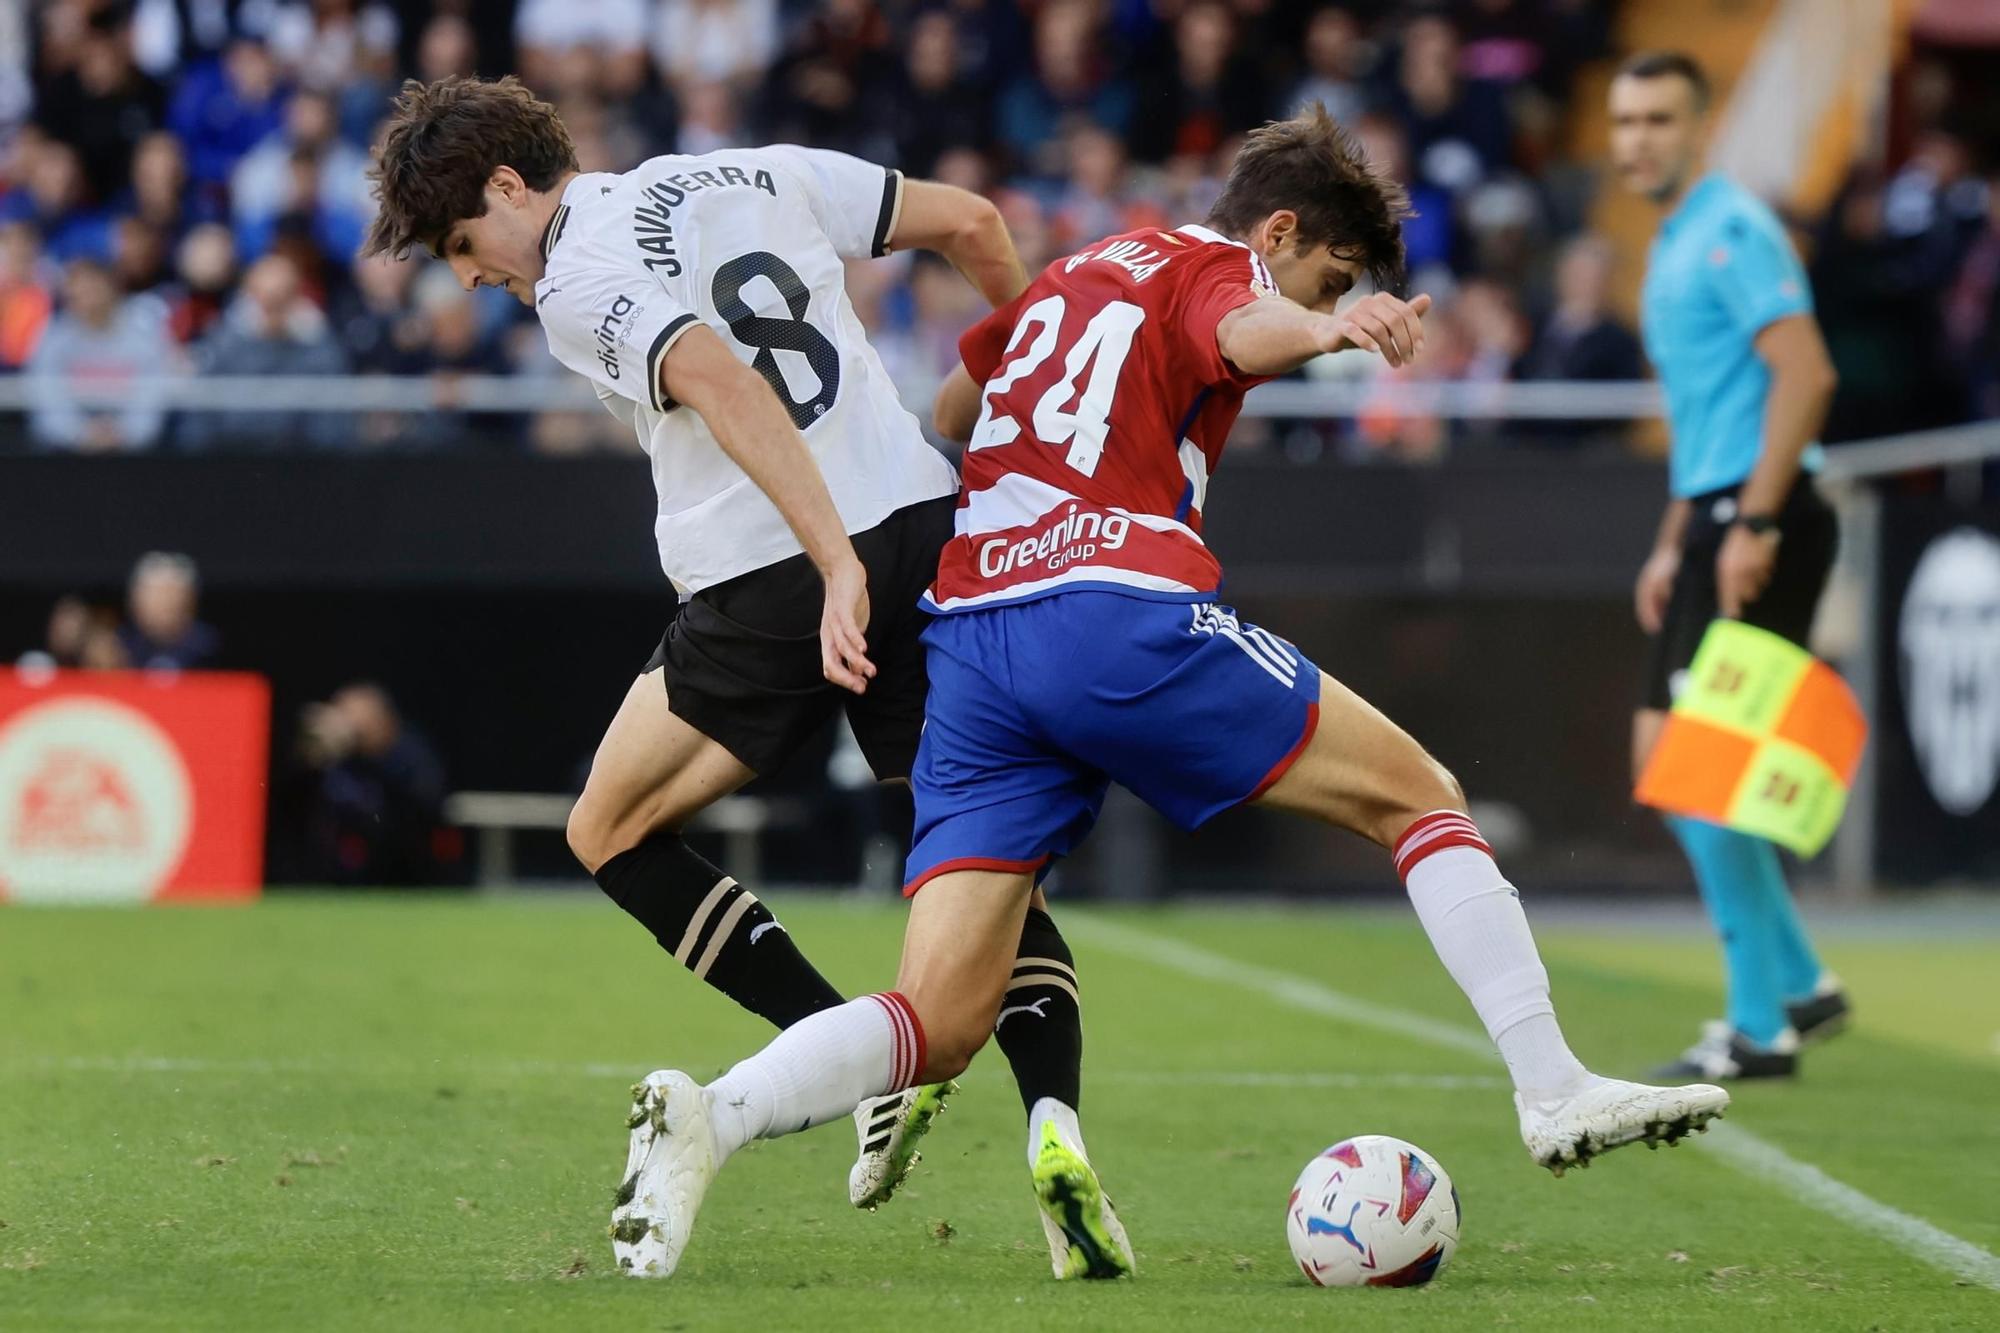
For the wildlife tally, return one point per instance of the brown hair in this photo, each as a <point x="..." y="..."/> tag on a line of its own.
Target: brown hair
<point x="441" y="147"/>
<point x="1312" y="166"/>
<point x="1669" y="64"/>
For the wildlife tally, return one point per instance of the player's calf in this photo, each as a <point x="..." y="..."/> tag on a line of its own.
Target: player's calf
<point x="715" y="928"/>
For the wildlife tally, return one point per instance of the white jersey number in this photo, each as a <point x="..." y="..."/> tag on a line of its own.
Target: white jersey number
<point x="1103" y="347"/>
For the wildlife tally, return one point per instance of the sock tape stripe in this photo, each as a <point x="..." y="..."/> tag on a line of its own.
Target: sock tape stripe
<point x="723" y="930"/>
<point x="915" y="1035"/>
<point x="693" y="934"/>
<point x="1024" y="965"/>
<point x="1052" y="979"/>
<point x="896" y="1038"/>
<point x="1444" y="828"/>
<point x="900" y="1009"/>
<point x="1430" y="827"/>
<point x="1443" y="843"/>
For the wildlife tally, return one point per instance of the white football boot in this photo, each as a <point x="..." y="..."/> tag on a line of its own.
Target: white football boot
<point x="668" y="1167"/>
<point x="1610" y="1113"/>
<point x="890" y="1129"/>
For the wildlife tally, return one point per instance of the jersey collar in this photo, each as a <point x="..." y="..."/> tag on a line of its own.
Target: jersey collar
<point x="559" y="220"/>
<point x="1201" y="233"/>
<point x="552" y="233"/>
<point x="1692" y="201"/>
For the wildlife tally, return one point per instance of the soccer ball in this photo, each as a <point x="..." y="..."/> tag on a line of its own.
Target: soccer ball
<point x="1372" y="1211"/>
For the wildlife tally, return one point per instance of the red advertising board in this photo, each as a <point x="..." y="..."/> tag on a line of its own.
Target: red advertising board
<point x="130" y="787"/>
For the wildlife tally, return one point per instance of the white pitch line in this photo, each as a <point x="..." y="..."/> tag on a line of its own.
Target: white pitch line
<point x="628" y="1070"/>
<point x="172" y="1064"/>
<point x="1738" y="1146"/>
<point x="1345" y="1082"/>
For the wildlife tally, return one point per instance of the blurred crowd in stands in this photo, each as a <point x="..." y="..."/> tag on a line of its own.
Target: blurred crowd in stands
<point x="359" y="799"/>
<point x="183" y="185"/>
<point x="161" y="629"/>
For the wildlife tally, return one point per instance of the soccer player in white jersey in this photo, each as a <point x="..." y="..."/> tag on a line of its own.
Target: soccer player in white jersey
<point x="1079" y="643"/>
<point x="704" y="299"/>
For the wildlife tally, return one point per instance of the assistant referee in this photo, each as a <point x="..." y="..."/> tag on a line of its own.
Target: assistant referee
<point x="1728" y="323"/>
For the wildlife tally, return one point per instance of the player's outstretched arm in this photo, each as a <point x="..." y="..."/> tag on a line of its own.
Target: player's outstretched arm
<point x="1275" y="336"/>
<point x="700" y="372"/>
<point x="956" y="411"/>
<point x="967" y="230"/>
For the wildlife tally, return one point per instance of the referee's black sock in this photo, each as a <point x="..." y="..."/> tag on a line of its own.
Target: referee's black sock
<point x="1041" y="1026"/>
<point x="716" y="928"/>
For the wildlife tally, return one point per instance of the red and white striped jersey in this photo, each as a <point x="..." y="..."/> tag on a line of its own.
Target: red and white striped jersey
<point x="1105" y="408"/>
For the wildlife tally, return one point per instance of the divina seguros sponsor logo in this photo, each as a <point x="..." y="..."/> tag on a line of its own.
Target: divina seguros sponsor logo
<point x="96" y="805"/>
<point x="614" y="332"/>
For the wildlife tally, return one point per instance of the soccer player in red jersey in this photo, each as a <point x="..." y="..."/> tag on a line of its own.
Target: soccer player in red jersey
<point x="1078" y="642"/>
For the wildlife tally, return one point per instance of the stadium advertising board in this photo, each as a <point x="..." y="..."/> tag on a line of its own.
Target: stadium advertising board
<point x="129" y="787"/>
<point x="1940" y="708"/>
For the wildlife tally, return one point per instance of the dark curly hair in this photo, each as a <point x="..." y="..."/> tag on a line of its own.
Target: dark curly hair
<point x="1312" y="166"/>
<point x="441" y="147"/>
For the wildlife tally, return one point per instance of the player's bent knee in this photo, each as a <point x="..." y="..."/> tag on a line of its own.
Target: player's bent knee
<point x="953" y="1034"/>
<point x="1429" y="786"/>
<point x="948" y="1053"/>
<point x="593" y="838"/>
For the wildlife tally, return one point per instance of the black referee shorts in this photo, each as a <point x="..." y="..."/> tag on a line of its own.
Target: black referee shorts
<point x="742" y="659"/>
<point x="1809" y="534"/>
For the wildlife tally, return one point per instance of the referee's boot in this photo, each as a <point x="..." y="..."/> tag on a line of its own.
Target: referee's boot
<point x="1822" y="1014"/>
<point x="1725" y="1055"/>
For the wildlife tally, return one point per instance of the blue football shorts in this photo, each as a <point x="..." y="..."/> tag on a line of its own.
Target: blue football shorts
<point x="1036" y="708"/>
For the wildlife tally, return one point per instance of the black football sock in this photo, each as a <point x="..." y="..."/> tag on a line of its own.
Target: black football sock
<point x="1041" y="1026"/>
<point x="716" y="929"/>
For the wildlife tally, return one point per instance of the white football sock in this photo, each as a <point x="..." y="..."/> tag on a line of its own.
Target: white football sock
<point x="818" y="1070"/>
<point x="1048" y="1108"/>
<point x="1474" y="919"/>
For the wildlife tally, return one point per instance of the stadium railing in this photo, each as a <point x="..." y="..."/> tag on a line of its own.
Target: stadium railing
<point x="1545" y="400"/>
<point x="496" y="816"/>
<point x="1854" y="638"/>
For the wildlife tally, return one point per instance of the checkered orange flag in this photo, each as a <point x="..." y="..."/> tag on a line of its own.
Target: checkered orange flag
<point x="1763" y="739"/>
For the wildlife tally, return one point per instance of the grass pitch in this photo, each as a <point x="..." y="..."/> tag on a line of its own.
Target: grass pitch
<point x="381" y="1113"/>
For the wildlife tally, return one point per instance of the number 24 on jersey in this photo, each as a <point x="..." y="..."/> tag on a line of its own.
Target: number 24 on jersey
<point x="1101" y="348"/>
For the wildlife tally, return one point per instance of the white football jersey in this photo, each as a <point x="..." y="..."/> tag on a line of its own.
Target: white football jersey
<point x="749" y="242"/>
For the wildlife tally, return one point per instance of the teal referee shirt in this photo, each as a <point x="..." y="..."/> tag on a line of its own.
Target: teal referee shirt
<point x="1720" y="271"/>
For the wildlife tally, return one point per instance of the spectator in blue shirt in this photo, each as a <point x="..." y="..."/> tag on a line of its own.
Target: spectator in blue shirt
<point x="224" y="108"/>
<point x="1070" y="78"/>
<point x="305" y="170"/>
<point x="51" y="199"/>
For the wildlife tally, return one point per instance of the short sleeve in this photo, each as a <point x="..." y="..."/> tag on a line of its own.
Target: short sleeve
<point x="982" y="346"/>
<point x="1229" y="277"/>
<point x="1756" y="275"/>
<point x="614" y="327"/>
<point x="856" y="202"/>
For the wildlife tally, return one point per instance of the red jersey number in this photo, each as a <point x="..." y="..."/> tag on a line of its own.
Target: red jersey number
<point x="1101" y="348"/>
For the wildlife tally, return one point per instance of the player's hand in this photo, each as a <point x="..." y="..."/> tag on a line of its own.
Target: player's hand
<point x="842" y="649"/>
<point x="1743" y="568"/>
<point x="1655" y="588"/>
<point x="1381" y="323"/>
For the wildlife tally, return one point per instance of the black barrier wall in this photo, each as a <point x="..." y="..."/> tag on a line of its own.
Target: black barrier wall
<point x="508" y="601"/>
